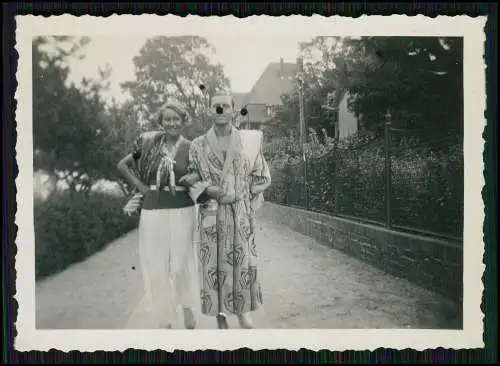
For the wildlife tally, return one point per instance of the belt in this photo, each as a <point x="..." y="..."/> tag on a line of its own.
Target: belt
<point x="166" y="188"/>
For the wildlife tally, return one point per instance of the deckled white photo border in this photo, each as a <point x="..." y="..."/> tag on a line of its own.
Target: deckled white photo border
<point x="472" y="29"/>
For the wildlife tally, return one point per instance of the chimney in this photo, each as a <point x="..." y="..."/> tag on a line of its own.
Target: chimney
<point x="282" y="69"/>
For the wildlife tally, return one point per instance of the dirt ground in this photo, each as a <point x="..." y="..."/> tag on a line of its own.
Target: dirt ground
<point x="305" y="285"/>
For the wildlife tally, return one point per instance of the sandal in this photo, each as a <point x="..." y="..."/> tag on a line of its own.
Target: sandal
<point x="189" y="319"/>
<point x="245" y="321"/>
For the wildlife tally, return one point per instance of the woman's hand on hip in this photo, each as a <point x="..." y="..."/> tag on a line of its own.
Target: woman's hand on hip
<point x="189" y="179"/>
<point x="133" y="204"/>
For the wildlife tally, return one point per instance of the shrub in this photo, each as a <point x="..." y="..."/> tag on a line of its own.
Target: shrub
<point x="427" y="184"/>
<point x="68" y="229"/>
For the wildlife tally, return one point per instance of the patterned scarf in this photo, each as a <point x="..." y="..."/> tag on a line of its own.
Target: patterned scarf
<point x="154" y="159"/>
<point x="166" y="166"/>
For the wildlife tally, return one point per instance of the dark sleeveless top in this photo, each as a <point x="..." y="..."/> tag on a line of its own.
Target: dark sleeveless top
<point x="147" y="156"/>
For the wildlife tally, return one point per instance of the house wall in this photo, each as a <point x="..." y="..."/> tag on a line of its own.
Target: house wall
<point x="239" y="120"/>
<point x="252" y="126"/>
<point x="256" y="117"/>
<point x="245" y="123"/>
<point x="347" y="122"/>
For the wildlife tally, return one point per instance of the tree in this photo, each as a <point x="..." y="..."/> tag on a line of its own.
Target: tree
<point x="53" y="125"/>
<point x="286" y="120"/>
<point x="176" y="67"/>
<point x="71" y="133"/>
<point x="404" y="74"/>
<point x="121" y="130"/>
<point x="418" y="78"/>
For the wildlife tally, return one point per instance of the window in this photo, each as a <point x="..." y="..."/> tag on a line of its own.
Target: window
<point x="269" y="110"/>
<point x="277" y="109"/>
<point x="272" y="110"/>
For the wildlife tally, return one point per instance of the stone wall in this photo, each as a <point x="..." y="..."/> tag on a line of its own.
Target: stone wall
<point x="432" y="263"/>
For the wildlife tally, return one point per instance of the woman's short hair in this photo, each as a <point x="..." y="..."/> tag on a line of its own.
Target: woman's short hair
<point x="175" y="106"/>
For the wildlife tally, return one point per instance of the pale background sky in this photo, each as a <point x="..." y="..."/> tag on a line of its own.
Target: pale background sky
<point x="243" y="58"/>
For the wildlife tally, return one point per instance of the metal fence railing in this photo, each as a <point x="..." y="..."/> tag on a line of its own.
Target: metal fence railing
<point x="409" y="187"/>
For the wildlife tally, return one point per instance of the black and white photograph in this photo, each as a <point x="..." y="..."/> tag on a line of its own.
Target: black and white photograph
<point x="292" y="182"/>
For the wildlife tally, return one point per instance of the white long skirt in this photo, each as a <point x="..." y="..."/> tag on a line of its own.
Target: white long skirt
<point x="168" y="261"/>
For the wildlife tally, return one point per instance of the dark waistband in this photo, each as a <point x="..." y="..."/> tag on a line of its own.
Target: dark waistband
<point x="158" y="200"/>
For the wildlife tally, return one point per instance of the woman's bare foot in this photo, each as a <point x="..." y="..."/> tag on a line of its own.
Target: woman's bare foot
<point x="189" y="318"/>
<point x="245" y="321"/>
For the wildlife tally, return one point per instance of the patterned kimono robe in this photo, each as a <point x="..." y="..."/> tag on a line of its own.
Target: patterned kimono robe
<point x="227" y="251"/>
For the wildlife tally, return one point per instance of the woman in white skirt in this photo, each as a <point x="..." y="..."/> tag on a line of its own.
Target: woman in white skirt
<point x="167" y="217"/>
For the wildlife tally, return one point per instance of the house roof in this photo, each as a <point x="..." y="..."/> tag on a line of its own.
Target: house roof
<point x="238" y="99"/>
<point x="277" y="79"/>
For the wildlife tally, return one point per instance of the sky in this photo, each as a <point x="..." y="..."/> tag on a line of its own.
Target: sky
<point x="244" y="59"/>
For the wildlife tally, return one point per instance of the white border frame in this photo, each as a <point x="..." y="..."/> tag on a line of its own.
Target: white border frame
<point x="472" y="29"/>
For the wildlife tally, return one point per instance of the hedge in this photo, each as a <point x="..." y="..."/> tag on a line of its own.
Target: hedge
<point x="69" y="229"/>
<point x="427" y="186"/>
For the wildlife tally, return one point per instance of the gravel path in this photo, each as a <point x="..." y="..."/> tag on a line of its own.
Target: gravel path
<point x="305" y="285"/>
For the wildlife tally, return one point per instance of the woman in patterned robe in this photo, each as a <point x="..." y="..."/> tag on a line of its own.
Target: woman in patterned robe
<point x="228" y="250"/>
<point x="167" y="218"/>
